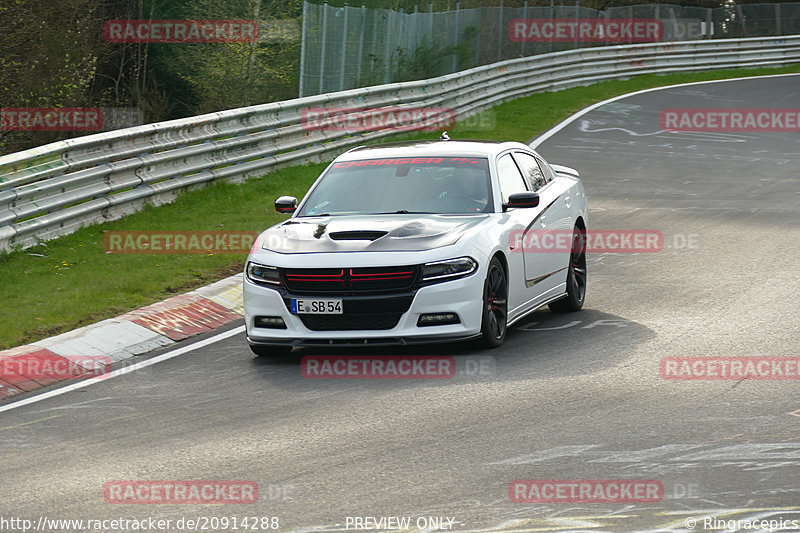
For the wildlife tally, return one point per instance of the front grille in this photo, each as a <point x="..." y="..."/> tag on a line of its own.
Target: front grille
<point x="368" y="321"/>
<point x="346" y="281"/>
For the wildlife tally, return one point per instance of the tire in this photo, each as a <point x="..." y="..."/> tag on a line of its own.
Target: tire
<point x="576" y="276"/>
<point x="262" y="350"/>
<point x="494" y="323"/>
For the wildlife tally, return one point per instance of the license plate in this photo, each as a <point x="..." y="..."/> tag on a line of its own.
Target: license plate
<point x="316" y="306"/>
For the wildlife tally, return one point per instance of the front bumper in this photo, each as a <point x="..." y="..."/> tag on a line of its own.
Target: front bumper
<point x="460" y="296"/>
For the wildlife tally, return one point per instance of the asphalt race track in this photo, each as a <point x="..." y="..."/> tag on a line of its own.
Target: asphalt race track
<point x="568" y="397"/>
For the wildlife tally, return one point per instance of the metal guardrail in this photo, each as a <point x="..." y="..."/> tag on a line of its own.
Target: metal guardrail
<point x="54" y="189"/>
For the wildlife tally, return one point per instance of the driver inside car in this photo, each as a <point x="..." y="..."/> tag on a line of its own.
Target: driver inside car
<point x="466" y="192"/>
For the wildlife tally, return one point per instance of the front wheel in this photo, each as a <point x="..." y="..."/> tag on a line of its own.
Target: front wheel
<point x="495" y="305"/>
<point x="576" y="276"/>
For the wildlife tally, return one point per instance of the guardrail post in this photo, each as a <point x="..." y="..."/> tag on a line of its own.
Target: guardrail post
<point x="344" y="48"/>
<point x="322" y="48"/>
<point x="303" y="48"/>
<point x="500" y="33"/>
<point x="709" y="29"/>
<point x="387" y="52"/>
<point x="361" y="44"/>
<point x="455" y="39"/>
<point x="478" y="39"/>
<point x="741" y="18"/>
<point x="525" y="16"/>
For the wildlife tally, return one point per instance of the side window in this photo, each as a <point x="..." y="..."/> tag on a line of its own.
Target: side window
<point x="510" y="179"/>
<point x="530" y="168"/>
<point x="548" y="172"/>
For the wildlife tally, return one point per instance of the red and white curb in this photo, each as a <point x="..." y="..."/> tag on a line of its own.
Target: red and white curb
<point x="35" y="365"/>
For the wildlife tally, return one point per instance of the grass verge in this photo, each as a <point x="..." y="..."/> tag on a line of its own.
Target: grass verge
<point x="71" y="281"/>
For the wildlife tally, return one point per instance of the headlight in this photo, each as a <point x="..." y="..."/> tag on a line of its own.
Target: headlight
<point x="449" y="269"/>
<point x="263" y="274"/>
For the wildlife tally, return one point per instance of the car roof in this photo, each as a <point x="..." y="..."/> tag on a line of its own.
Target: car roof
<point x="453" y="148"/>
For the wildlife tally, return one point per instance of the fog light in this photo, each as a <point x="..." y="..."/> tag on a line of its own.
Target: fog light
<point x="438" y="319"/>
<point x="271" y="322"/>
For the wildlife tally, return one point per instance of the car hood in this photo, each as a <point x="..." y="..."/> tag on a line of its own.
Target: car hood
<point x="367" y="233"/>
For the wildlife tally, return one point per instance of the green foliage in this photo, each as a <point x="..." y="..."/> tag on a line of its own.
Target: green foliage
<point x="421" y="63"/>
<point x="53" y="54"/>
<point x="215" y="76"/>
<point x="427" y="61"/>
<point x="48" y="58"/>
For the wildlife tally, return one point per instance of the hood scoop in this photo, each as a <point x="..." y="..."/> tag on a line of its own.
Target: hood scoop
<point x="358" y="235"/>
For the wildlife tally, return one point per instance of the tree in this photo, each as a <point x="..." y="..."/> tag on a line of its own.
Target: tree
<point x="48" y="57"/>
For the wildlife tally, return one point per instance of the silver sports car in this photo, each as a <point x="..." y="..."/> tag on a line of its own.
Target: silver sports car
<point x="413" y="242"/>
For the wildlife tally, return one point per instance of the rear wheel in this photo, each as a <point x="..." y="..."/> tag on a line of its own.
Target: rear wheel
<point x="576" y="276"/>
<point x="263" y="350"/>
<point x="495" y="305"/>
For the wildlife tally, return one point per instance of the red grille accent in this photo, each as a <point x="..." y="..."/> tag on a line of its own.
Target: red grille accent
<point x="350" y="279"/>
<point x="336" y="279"/>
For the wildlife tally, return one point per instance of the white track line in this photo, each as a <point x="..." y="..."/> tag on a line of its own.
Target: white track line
<point x="130" y="368"/>
<point x="564" y="123"/>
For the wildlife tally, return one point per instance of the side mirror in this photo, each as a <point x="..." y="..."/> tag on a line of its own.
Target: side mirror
<point x="286" y="204"/>
<point x="522" y="199"/>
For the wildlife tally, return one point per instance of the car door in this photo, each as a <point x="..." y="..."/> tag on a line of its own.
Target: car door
<point x="517" y="222"/>
<point x="548" y="237"/>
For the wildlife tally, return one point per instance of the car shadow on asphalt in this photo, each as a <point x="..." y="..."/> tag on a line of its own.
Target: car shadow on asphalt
<point x="542" y="345"/>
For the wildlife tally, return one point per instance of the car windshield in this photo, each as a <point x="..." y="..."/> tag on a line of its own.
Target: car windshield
<point x="402" y="185"/>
